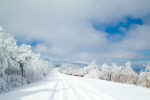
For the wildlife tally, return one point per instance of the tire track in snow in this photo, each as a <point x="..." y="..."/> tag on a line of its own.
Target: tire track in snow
<point x="54" y="91"/>
<point x="79" y="92"/>
<point x="84" y="92"/>
<point x="74" y="94"/>
<point x="72" y="89"/>
<point x="93" y="92"/>
<point x="59" y="90"/>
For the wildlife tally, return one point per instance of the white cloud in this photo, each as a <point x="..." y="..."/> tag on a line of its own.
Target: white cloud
<point x="138" y="38"/>
<point x="65" y="26"/>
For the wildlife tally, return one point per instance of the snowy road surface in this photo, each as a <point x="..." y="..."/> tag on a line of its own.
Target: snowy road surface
<point x="57" y="86"/>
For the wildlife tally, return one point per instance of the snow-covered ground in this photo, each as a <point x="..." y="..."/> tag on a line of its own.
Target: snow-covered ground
<point x="57" y="86"/>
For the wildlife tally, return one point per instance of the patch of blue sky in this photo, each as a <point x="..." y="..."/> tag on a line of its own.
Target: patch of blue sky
<point x="116" y="29"/>
<point x="116" y="32"/>
<point x="145" y="52"/>
<point x="32" y="43"/>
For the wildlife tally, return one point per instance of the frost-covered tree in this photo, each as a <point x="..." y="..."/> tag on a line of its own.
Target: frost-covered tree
<point x="19" y="65"/>
<point x="116" y="72"/>
<point x="92" y="70"/>
<point x="147" y="67"/>
<point x="107" y="72"/>
<point x="36" y="68"/>
<point x="144" y="77"/>
<point x="9" y="50"/>
<point x="132" y="76"/>
<point x="122" y="74"/>
<point x="128" y="75"/>
<point x="24" y="57"/>
<point x="3" y="65"/>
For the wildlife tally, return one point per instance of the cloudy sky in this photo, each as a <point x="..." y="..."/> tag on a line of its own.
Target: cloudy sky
<point x="101" y="30"/>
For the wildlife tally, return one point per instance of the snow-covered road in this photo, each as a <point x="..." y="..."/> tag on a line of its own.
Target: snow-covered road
<point x="57" y="86"/>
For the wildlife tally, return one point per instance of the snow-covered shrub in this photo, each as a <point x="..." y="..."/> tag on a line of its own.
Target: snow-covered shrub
<point x="14" y="81"/>
<point x="144" y="77"/>
<point x="122" y="74"/>
<point x="88" y="69"/>
<point x="107" y="71"/>
<point x="3" y="85"/>
<point x="128" y="75"/>
<point x="3" y="65"/>
<point x="36" y="68"/>
<point x="95" y="73"/>
<point x="19" y="65"/>
<point x="148" y="67"/>
<point x="116" y="73"/>
<point x="119" y="73"/>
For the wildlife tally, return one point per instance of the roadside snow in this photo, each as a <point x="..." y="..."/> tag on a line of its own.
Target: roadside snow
<point x="57" y="86"/>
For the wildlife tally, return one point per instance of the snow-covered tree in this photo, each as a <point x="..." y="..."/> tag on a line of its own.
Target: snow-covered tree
<point x="19" y="65"/>
<point x="9" y="50"/>
<point x="128" y="75"/>
<point x="144" y="77"/>
<point x="24" y="57"/>
<point x="90" y="68"/>
<point x="122" y="74"/>
<point x="3" y="65"/>
<point x="107" y="72"/>
<point x="147" y="67"/>
<point x="116" y="72"/>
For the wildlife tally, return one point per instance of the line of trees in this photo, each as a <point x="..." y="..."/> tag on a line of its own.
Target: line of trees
<point x="19" y="65"/>
<point x="121" y="74"/>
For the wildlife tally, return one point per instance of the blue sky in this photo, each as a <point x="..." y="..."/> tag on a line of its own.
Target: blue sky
<point x="145" y="52"/>
<point x="126" y="23"/>
<point x="118" y="29"/>
<point x="76" y="30"/>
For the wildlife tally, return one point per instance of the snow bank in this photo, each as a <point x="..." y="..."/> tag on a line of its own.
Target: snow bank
<point x="19" y="65"/>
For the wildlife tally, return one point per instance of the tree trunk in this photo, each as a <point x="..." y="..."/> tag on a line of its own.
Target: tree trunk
<point x="21" y="68"/>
